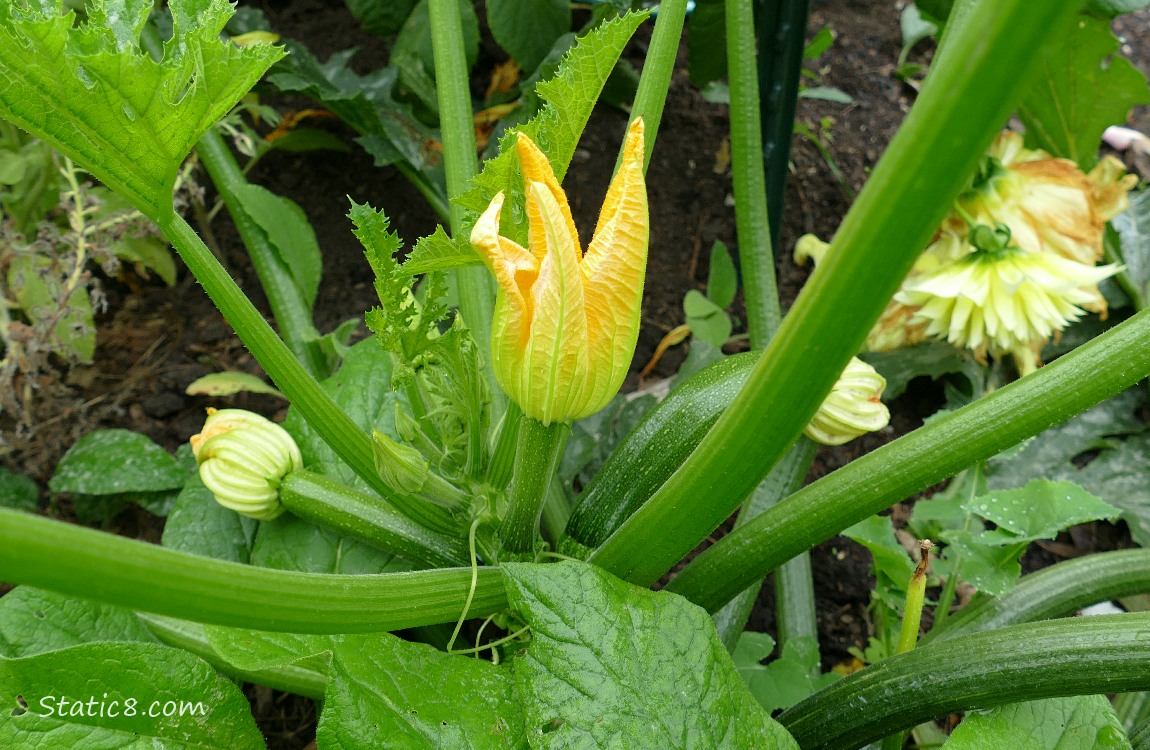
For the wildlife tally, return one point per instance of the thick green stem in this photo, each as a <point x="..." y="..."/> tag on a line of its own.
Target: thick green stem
<point x="657" y="69"/>
<point x="760" y="293"/>
<point x="908" y="195"/>
<point x="190" y="636"/>
<point x="475" y="286"/>
<point x="556" y="511"/>
<point x="1081" y="656"/>
<point x="1092" y="373"/>
<point x="795" y="614"/>
<point x="329" y="504"/>
<point x="89" y="564"/>
<point x="291" y="311"/>
<point x="333" y="425"/>
<point x="1056" y="591"/>
<point x="503" y="454"/>
<point x="537" y="455"/>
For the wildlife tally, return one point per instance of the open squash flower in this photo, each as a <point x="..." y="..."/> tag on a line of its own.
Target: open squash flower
<point x="566" y="323"/>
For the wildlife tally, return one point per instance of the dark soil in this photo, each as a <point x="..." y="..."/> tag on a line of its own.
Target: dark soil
<point x="155" y="340"/>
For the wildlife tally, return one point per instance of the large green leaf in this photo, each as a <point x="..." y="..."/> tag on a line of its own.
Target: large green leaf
<point x="93" y="94"/>
<point x="1082" y="87"/>
<point x="71" y="694"/>
<point x="528" y="33"/>
<point x="613" y="665"/>
<point x="417" y="697"/>
<point x="1037" y="511"/>
<point x="201" y="526"/>
<point x="33" y="621"/>
<point x="110" y="462"/>
<point x="1082" y="722"/>
<point x="570" y="96"/>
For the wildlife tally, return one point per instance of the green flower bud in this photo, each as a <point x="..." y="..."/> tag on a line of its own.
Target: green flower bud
<point x="852" y="408"/>
<point x="242" y="458"/>
<point x="401" y="467"/>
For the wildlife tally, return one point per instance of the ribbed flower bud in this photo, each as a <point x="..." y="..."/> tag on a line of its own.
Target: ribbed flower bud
<point x="401" y="467"/>
<point x="853" y="407"/>
<point x="243" y="457"/>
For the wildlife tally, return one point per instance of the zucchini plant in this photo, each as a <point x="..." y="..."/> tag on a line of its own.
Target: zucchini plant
<point x="407" y="490"/>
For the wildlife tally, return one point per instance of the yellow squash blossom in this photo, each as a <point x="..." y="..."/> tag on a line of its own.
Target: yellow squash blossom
<point x="242" y="459"/>
<point x="566" y="323"/>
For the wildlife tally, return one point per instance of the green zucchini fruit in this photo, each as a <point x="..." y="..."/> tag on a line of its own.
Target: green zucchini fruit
<point x="331" y="505"/>
<point x="653" y="451"/>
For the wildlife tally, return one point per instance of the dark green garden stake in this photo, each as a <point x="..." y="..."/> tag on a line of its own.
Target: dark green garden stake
<point x="782" y="34"/>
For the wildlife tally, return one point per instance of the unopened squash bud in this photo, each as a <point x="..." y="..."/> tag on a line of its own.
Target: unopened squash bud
<point x="852" y="408"/>
<point x="401" y="467"/>
<point x="242" y="458"/>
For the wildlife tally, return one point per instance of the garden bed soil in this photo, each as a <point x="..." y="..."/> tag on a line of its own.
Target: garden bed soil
<point x="153" y="341"/>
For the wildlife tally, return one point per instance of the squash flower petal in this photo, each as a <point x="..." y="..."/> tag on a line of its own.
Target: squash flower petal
<point x="566" y="322"/>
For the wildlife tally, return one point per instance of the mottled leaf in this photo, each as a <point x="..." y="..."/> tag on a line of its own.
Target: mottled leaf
<point x="161" y="697"/>
<point x="33" y="621"/>
<point x="110" y="462"/>
<point x="785" y="681"/>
